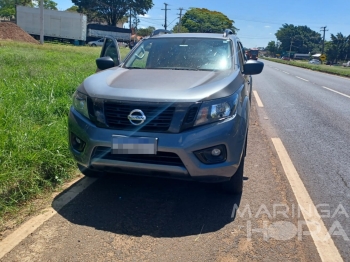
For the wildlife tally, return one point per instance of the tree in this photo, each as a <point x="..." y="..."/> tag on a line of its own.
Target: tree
<point x="73" y="9"/>
<point x="48" y="4"/>
<point x="182" y="29"/>
<point x="91" y="15"/>
<point x="146" y="31"/>
<point x="135" y="20"/>
<point x="330" y="51"/>
<point x="299" y="39"/>
<point x="272" y="48"/>
<point x="340" y="46"/>
<point x="124" y="20"/>
<point x="113" y="10"/>
<point x="201" y="20"/>
<point x="8" y="7"/>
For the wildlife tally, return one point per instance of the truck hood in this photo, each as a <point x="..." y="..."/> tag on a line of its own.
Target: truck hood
<point x="161" y="85"/>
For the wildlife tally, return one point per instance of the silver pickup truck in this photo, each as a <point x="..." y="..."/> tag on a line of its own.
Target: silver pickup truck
<point x="346" y="64"/>
<point x="185" y="115"/>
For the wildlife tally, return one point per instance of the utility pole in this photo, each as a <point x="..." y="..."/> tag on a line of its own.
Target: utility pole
<point x="179" y="25"/>
<point x="166" y="9"/>
<point x="136" y="24"/>
<point x="130" y="19"/>
<point x="276" y="48"/>
<point x="290" y="48"/>
<point x="42" y="22"/>
<point x="323" y="28"/>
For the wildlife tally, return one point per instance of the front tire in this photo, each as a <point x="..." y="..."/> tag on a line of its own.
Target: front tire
<point x="89" y="172"/>
<point x="235" y="184"/>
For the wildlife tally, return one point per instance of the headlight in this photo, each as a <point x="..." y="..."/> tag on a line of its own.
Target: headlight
<point x="80" y="103"/>
<point x="98" y="108"/>
<point x="216" y="110"/>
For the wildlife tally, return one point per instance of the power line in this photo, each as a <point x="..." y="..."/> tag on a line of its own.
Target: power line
<point x="172" y="21"/>
<point x="154" y="23"/>
<point x="150" y="18"/>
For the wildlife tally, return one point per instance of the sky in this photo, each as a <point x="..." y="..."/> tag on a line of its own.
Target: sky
<point x="257" y="20"/>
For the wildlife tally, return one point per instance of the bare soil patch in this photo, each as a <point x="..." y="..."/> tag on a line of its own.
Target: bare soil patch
<point x="11" y="31"/>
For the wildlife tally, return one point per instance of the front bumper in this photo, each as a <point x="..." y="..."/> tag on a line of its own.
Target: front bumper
<point x="231" y="133"/>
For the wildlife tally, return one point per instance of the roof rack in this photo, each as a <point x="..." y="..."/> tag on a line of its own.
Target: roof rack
<point x="228" y="32"/>
<point x="160" y="32"/>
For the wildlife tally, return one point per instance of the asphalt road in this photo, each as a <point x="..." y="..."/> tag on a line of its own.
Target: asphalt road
<point x="310" y="112"/>
<point x="129" y="218"/>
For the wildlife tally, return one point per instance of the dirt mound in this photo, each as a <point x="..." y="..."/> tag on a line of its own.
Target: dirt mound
<point x="11" y="31"/>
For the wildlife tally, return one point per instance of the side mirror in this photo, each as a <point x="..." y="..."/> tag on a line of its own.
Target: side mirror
<point x="104" y="63"/>
<point x="110" y="49"/>
<point x="253" y="67"/>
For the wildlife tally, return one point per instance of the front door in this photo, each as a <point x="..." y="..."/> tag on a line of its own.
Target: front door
<point x="110" y="50"/>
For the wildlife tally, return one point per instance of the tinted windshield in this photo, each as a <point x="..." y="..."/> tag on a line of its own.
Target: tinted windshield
<point x="182" y="54"/>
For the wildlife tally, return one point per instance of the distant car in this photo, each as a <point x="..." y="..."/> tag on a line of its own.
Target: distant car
<point x="315" y="62"/>
<point x="285" y="58"/>
<point x="98" y="42"/>
<point x="346" y="64"/>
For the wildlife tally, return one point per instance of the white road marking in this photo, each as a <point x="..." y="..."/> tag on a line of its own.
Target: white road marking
<point x="31" y="225"/>
<point x="302" y="78"/>
<point x="323" y="241"/>
<point x="257" y="98"/>
<point x="285" y="72"/>
<point x="336" y="91"/>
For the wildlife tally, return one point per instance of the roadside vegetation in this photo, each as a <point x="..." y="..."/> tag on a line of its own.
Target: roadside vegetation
<point x="296" y="40"/>
<point x="334" y="69"/>
<point x="36" y="85"/>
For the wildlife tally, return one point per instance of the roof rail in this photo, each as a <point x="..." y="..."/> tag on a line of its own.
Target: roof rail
<point x="160" y="32"/>
<point x="228" y="32"/>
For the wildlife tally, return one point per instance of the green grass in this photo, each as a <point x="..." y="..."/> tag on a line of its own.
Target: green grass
<point x="36" y="85"/>
<point x="335" y="70"/>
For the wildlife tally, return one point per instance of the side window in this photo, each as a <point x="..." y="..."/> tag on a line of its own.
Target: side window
<point x="111" y="49"/>
<point x="240" y="56"/>
<point x="140" y="57"/>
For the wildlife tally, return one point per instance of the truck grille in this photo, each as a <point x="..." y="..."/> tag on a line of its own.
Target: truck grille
<point x="161" y="158"/>
<point x="191" y="114"/>
<point x="158" y="118"/>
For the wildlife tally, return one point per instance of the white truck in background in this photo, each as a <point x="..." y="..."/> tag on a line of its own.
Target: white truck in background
<point x="57" y="24"/>
<point x="346" y="64"/>
<point x="97" y="31"/>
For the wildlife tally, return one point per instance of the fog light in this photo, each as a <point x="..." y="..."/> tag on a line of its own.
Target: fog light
<point x="77" y="143"/>
<point x="216" y="152"/>
<point x="212" y="155"/>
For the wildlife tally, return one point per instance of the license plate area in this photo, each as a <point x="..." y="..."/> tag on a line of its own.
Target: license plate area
<point x="134" y="145"/>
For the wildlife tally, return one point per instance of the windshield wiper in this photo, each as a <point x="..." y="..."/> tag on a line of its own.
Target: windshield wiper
<point x="174" y="68"/>
<point x="134" y="67"/>
<point x="183" y="68"/>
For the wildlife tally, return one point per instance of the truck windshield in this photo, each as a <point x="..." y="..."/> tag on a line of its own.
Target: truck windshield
<point x="182" y="53"/>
